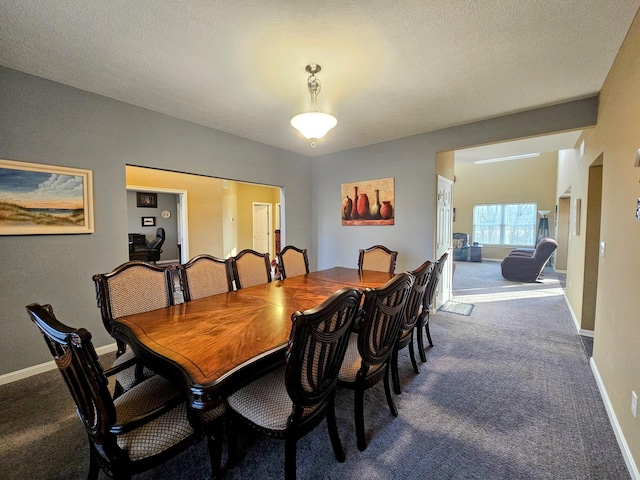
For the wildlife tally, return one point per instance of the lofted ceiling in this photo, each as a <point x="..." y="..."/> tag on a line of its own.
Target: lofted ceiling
<point x="390" y="69"/>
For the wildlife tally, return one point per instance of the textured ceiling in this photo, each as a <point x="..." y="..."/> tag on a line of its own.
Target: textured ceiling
<point x="390" y="69"/>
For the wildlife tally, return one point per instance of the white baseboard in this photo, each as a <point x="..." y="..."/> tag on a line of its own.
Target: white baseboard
<point x="45" y="367"/>
<point x="624" y="448"/>
<point x="581" y="331"/>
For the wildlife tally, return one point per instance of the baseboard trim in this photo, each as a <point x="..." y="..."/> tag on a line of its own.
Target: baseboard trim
<point x="45" y="367"/>
<point x="622" y="443"/>
<point x="573" y="316"/>
<point x="586" y="333"/>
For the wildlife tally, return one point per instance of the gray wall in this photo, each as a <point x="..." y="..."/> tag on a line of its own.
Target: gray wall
<point x="46" y="122"/>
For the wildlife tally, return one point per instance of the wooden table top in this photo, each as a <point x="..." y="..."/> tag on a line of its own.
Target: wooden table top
<point x="215" y="345"/>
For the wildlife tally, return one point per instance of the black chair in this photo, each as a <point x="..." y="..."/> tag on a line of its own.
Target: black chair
<point x="251" y="268"/>
<point x="524" y="266"/>
<point x="291" y="401"/>
<point x="133" y="287"/>
<point x="151" y="251"/>
<point x="369" y="351"/>
<point x="421" y="277"/>
<point x="293" y="261"/>
<point x="139" y="430"/>
<point x="378" y="258"/>
<point x="204" y="276"/>
<point x="427" y="305"/>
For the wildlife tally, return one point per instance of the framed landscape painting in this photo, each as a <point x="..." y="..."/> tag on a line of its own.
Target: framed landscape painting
<point x="40" y="199"/>
<point x="369" y="202"/>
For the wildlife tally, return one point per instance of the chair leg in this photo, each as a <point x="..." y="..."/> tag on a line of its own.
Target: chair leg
<point x="94" y="467"/>
<point x="214" y="442"/>
<point x="426" y="327"/>
<point x="232" y="441"/>
<point x="423" y="355"/>
<point x="290" y="458"/>
<point x="395" y="375"/>
<point x="387" y="392"/>
<point x="359" y="414"/>
<point x="333" y="431"/>
<point x="412" y="355"/>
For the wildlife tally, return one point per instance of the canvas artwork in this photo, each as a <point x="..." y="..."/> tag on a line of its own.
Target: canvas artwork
<point x="40" y="199"/>
<point x="370" y="202"/>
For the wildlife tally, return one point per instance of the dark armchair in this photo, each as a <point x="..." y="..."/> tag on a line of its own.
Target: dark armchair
<point x="460" y="247"/>
<point x="149" y="252"/>
<point x="524" y="267"/>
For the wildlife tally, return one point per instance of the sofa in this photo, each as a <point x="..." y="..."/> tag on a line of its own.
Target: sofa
<point x="525" y="265"/>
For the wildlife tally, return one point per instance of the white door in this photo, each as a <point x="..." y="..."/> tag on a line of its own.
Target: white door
<point x="444" y="227"/>
<point x="261" y="227"/>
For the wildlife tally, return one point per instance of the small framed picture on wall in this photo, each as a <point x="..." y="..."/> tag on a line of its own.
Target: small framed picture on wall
<point x="147" y="199"/>
<point x="148" y="221"/>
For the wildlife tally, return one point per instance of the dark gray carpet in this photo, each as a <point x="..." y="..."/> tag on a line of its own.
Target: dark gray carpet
<point x="505" y="394"/>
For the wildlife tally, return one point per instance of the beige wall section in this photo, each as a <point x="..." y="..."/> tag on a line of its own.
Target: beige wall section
<point x="247" y="194"/>
<point x="526" y="180"/>
<point x="204" y="204"/>
<point x="616" y="352"/>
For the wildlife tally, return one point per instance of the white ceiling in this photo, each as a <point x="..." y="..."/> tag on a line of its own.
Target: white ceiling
<point x="390" y="69"/>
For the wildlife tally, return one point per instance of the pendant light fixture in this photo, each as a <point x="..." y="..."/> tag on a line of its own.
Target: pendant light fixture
<point x="313" y="125"/>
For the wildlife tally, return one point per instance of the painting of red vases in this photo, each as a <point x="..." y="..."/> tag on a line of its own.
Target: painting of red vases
<point x="369" y="202"/>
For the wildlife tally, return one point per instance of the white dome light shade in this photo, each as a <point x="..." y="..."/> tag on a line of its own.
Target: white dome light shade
<point x="314" y="125"/>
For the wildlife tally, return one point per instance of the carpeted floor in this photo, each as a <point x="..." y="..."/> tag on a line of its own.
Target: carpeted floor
<point x="506" y="393"/>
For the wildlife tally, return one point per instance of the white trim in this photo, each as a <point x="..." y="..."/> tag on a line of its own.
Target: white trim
<point x="586" y="333"/>
<point x="622" y="443"/>
<point x="573" y="315"/>
<point x="45" y="367"/>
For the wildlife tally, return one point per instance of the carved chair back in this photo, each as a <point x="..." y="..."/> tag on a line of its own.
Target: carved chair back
<point x="251" y="268"/>
<point x="293" y="261"/>
<point x="204" y="276"/>
<point x="378" y="258"/>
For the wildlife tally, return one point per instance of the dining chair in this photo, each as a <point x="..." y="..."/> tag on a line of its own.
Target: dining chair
<point x="204" y="276"/>
<point x="378" y="258"/>
<point x="293" y="261"/>
<point x="427" y="305"/>
<point x="251" y="268"/>
<point x="292" y="400"/>
<point x="369" y="351"/>
<point x="133" y="287"/>
<point x="410" y="320"/>
<point x="140" y="429"/>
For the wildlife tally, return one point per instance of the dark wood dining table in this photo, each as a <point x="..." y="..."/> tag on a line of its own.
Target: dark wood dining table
<point x="215" y="345"/>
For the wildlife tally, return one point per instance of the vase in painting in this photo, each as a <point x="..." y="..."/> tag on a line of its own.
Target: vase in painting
<point x="363" y="206"/>
<point x="386" y="210"/>
<point x="347" y="207"/>
<point x="354" y="209"/>
<point x="374" y="211"/>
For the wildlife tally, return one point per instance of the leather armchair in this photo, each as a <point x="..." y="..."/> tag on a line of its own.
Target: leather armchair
<point x="151" y="251"/>
<point x="522" y="267"/>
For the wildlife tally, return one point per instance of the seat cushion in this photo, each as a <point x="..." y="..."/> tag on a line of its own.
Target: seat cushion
<point x="353" y="362"/>
<point x="127" y="378"/>
<point x="265" y="402"/>
<point x="159" y="434"/>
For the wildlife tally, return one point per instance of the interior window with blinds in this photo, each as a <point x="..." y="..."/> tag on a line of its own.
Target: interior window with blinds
<point x="512" y="224"/>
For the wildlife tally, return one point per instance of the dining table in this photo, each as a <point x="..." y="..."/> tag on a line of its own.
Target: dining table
<point x="212" y="346"/>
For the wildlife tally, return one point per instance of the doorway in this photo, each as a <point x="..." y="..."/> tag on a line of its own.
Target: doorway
<point x="262" y="228"/>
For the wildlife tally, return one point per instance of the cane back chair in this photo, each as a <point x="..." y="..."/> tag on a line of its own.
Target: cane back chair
<point x="293" y="261"/>
<point x="204" y="276"/>
<point x="378" y="258"/>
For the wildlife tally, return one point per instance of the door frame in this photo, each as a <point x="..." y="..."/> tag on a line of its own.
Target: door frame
<point x="181" y="211"/>
<point x="445" y="286"/>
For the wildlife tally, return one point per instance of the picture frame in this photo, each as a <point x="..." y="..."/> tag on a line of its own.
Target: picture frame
<point x="373" y="202"/>
<point x="39" y="199"/>
<point x="147" y="200"/>
<point x="148" y="221"/>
